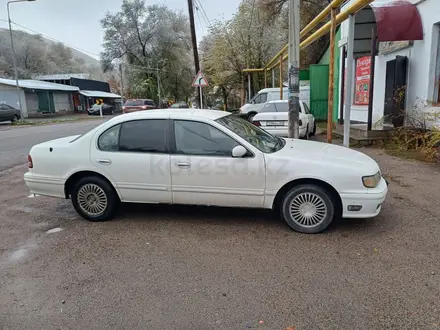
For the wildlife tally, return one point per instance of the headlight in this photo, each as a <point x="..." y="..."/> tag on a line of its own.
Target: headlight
<point x="371" y="181"/>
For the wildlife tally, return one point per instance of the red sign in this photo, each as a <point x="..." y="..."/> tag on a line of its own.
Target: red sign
<point x="362" y="80"/>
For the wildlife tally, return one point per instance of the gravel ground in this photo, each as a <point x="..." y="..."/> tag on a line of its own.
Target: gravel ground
<point x="158" y="267"/>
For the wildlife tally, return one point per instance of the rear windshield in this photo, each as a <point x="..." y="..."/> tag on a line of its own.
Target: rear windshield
<point x="134" y="102"/>
<point x="149" y="102"/>
<point x="282" y="107"/>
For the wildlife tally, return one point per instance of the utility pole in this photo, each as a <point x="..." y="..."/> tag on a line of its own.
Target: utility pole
<point x="158" y="84"/>
<point x="294" y="39"/>
<point x="194" y="42"/>
<point x="121" y="82"/>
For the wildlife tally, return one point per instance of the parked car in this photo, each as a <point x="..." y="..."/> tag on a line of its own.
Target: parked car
<point x="179" y="105"/>
<point x="9" y="113"/>
<point x="250" y="109"/>
<point x="204" y="157"/>
<point x="107" y="109"/>
<point x="138" y="105"/>
<point x="274" y="118"/>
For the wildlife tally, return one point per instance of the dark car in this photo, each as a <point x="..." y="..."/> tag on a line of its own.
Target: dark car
<point x="9" y="113"/>
<point x="138" y="105"/>
<point x="106" y="109"/>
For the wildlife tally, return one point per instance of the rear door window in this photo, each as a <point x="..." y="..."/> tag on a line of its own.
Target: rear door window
<point x="144" y="136"/>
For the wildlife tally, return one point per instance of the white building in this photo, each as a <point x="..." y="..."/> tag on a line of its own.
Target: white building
<point x="418" y="66"/>
<point x="37" y="97"/>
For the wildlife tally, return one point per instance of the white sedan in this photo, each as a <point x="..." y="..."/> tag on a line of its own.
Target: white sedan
<point x="273" y="117"/>
<point x="205" y="157"/>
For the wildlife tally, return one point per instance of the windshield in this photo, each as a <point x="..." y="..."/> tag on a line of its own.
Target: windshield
<point x="256" y="136"/>
<point x="134" y="103"/>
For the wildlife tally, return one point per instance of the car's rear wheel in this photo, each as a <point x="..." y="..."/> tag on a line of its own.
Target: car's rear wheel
<point x="308" y="208"/>
<point x="94" y="199"/>
<point x="15" y="118"/>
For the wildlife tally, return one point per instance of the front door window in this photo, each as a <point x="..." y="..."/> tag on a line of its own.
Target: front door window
<point x="196" y="138"/>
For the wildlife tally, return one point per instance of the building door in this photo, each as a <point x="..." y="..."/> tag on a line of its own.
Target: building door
<point x="395" y="91"/>
<point x="319" y="91"/>
<point x="45" y="102"/>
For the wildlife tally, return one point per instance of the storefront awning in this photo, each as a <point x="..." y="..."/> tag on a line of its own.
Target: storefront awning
<point x="100" y="94"/>
<point x="397" y="20"/>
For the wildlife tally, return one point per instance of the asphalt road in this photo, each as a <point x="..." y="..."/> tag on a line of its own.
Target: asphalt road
<point x="194" y="268"/>
<point x="15" y="142"/>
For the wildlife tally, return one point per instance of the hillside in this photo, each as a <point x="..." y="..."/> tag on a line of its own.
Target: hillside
<point x="38" y="55"/>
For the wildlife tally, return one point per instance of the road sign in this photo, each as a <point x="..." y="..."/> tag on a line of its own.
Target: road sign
<point x="99" y="101"/>
<point x="200" y="80"/>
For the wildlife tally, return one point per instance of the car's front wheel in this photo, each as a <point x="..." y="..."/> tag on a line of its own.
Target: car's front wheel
<point x="94" y="199"/>
<point x="314" y="129"/>
<point x="15" y="118"/>
<point x="308" y="208"/>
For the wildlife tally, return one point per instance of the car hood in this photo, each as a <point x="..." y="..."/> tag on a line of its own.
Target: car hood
<point x="328" y="154"/>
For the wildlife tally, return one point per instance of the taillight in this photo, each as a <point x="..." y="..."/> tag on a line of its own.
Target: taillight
<point x="256" y="123"/>
<point x="300" y="123"/>
<point x="30" y="163"/>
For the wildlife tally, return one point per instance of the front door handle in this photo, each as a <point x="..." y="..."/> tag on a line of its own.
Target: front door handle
<point x="104" y="161"/>
<point x="182" y="165"/>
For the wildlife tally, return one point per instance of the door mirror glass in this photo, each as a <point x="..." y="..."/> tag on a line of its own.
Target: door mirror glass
<point x="239" y="151"/>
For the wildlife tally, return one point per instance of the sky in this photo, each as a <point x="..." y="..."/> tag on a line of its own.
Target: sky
<point x="76" y="22"/>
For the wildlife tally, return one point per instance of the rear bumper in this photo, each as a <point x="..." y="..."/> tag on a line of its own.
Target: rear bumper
<point x="283" y="131"/>
<point x="277" y="131"/>
<point x="44" y="186"/>
<point x="370" y="202"/>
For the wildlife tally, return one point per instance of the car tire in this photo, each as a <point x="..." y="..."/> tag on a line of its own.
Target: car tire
<point x="307" y="136"/>
<point x="95" y="190"/>
<point x="314" y="129"/>
<point x="15" y="118"/>
<point x="308" y="208"/>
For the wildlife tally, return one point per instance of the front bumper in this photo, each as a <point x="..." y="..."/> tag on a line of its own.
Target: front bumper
<point x="370" y="202"/>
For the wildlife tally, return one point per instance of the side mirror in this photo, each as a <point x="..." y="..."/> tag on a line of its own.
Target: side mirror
<point x="239" y="151"/>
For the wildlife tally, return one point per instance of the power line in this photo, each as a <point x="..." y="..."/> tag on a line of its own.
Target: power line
<point x="53" y="39"/>
<point x="200" y="20"/>
<point x="199" y="4"/>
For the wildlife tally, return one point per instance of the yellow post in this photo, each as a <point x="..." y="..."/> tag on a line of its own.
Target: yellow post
<point x="331" y="76"/>
<point x="281" y="76"/>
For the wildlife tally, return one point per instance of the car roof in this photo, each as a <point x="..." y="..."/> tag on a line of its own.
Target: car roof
<point x="175" y="113"/>
<point x="281" y="101"/>
<point x="138" y="100"/>
<point x="272" y="89"/>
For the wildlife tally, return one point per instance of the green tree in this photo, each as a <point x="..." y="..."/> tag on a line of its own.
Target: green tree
<point x="154" y="42"/>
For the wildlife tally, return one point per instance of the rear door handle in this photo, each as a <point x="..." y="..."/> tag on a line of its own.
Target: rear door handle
<point x="182" y="165"/>
<point x="104" y="161"/>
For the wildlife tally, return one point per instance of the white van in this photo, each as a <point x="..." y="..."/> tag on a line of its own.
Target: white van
<point x="272" y="94"/>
